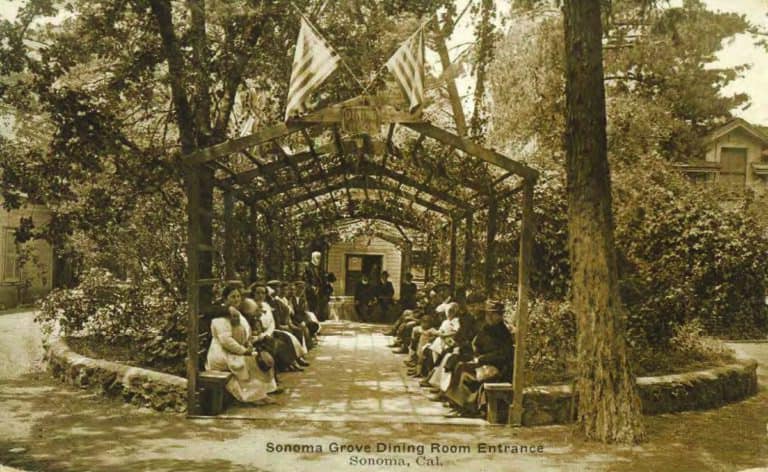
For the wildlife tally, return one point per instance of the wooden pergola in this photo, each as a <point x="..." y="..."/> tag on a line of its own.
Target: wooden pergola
<point x="323" y="175"/>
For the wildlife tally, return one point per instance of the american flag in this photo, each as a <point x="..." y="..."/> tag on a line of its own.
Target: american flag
<point x="313" y="62"/>
<point x="407" y="64"/>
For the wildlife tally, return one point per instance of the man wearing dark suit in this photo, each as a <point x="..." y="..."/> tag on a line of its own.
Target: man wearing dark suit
<point x="316" y="288"/>
<point x="494" y="352"/>
<point x="408" y="293"/>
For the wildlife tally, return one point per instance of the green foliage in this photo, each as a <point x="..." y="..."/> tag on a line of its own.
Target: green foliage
<point x="551" y="348"/>
<point x="683" y="256"/>
<point x="662" y="91"/>
<point x="113" y="312"/>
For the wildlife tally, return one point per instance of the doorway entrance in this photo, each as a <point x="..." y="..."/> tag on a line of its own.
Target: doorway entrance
<point x="358" y="264"/>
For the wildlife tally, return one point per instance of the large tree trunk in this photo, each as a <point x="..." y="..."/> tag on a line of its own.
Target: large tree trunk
<point x="608" y="405"/>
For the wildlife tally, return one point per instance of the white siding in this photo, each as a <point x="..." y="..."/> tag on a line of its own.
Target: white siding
<point x="392" y="259"/>
<point x="738" y="138"/>
<point x="42" y="280"/>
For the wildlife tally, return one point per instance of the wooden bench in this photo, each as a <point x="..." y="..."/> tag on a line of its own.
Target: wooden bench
<point x="499" y="397"/>
<point x="212" y="383"/>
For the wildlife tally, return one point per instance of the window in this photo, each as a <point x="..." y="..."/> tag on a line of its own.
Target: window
<point x="733" y="162"/>
<point x="10" y="252"/>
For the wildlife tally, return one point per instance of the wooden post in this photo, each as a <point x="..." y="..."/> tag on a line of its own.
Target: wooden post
<point x="452" y="257"/>
<point x="229" y="236"/>
<point x="523" y="282"/>
<point x="199" y="190"/>
<point x="407" y="259"/>
<point x="253" y="258"/>
<point x="490" y="244"/>
<point x="428" y="260"/>
<point x="468" y="243"/>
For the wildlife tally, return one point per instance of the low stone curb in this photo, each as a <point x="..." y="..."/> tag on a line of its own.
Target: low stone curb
<point x="543" y="405"/>
<point x="698" y="390"/>
<point x="141" y="387"/>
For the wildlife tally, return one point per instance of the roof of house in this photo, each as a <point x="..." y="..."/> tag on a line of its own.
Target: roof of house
<point x="756" y="131"/>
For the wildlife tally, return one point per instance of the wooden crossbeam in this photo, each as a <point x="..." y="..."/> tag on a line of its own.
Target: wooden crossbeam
<point x="318" y="161"/>
<point x="395" y="220"/>
<point x="368" y="168"/>
<point x="236" y="145"/>
<point x="359" y="183"/>
<point x="474" y="149"/>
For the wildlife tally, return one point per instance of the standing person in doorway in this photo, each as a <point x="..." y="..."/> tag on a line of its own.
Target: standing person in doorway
<point x="385" y="293"/>
<point x="408" y="293"/>
<point x="316" y="288"/>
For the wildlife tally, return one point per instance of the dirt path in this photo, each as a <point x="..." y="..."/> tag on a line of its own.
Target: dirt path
<point x="57" y="428"/>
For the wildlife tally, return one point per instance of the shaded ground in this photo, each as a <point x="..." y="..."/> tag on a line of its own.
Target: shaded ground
<point x="63" y="429"/>
<point x="353" y="377"/>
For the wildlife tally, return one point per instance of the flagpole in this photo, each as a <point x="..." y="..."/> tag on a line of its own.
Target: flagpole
<point x="341" y="58"/>
<point x="431" y="17"/>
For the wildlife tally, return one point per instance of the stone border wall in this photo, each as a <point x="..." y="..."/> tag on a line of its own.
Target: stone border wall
<point x="141" y="387"/>
<point x="543" y="405"/>
<point x="697" y="390"/>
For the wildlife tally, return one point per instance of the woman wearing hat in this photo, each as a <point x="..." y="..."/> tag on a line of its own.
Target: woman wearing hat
<point x="231" y="351"/>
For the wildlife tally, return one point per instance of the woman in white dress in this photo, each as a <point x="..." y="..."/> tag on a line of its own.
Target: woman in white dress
<point x="231" y="351"/>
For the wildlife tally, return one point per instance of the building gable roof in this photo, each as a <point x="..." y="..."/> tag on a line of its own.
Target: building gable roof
<point x="734" y="124"/>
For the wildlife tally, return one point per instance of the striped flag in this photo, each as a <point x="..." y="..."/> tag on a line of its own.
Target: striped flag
<point x="407" y="64"/>
<point x="313" y="62"/>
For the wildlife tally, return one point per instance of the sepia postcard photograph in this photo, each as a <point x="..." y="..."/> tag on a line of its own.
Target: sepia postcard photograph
<point x="383" y="235"/>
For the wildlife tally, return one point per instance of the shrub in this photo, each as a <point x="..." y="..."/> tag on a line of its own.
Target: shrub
<point x="551" y="343"/>
<point x="112" y="312"/>
<point x="686" y="256"/>
<point x="682" y="254"/>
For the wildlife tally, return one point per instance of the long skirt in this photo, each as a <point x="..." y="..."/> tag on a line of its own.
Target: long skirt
<point x="250" y="384"/>
<point x="285" y="350"/>
<point x="463" y="387"/>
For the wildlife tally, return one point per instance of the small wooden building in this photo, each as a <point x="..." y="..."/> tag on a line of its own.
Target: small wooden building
<point x="349" y="260"/>
<point x="736" y="157"/>
<point x="26" y="271"/>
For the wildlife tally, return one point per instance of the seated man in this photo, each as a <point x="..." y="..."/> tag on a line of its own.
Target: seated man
<point x="493" y="349"/>
<point x="301" y="311"/>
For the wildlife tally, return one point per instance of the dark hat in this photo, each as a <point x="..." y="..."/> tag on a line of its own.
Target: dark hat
<point x="494" y="306"/>
<point x="274" y="283"/>
<point x="385" y="273"/>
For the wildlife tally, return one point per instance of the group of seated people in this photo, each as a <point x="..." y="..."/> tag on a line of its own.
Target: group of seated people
<point x="261" y="330"/>
<point x="455" y="342"/>
<point x="373" y="298"/>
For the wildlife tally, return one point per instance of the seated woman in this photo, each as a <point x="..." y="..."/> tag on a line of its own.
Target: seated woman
<point x="493" y="361"/>
<point x="287" y="316"/>
<point x="287" y="347"/>
<point x="231" y="351"/>
<point x="438" y="341"/>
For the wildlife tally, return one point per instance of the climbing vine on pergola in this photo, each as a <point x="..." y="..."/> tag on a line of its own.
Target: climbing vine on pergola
<point x="332" y="165"/>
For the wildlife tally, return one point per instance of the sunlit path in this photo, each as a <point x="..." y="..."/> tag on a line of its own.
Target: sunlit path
<point x="353" y="377"/>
